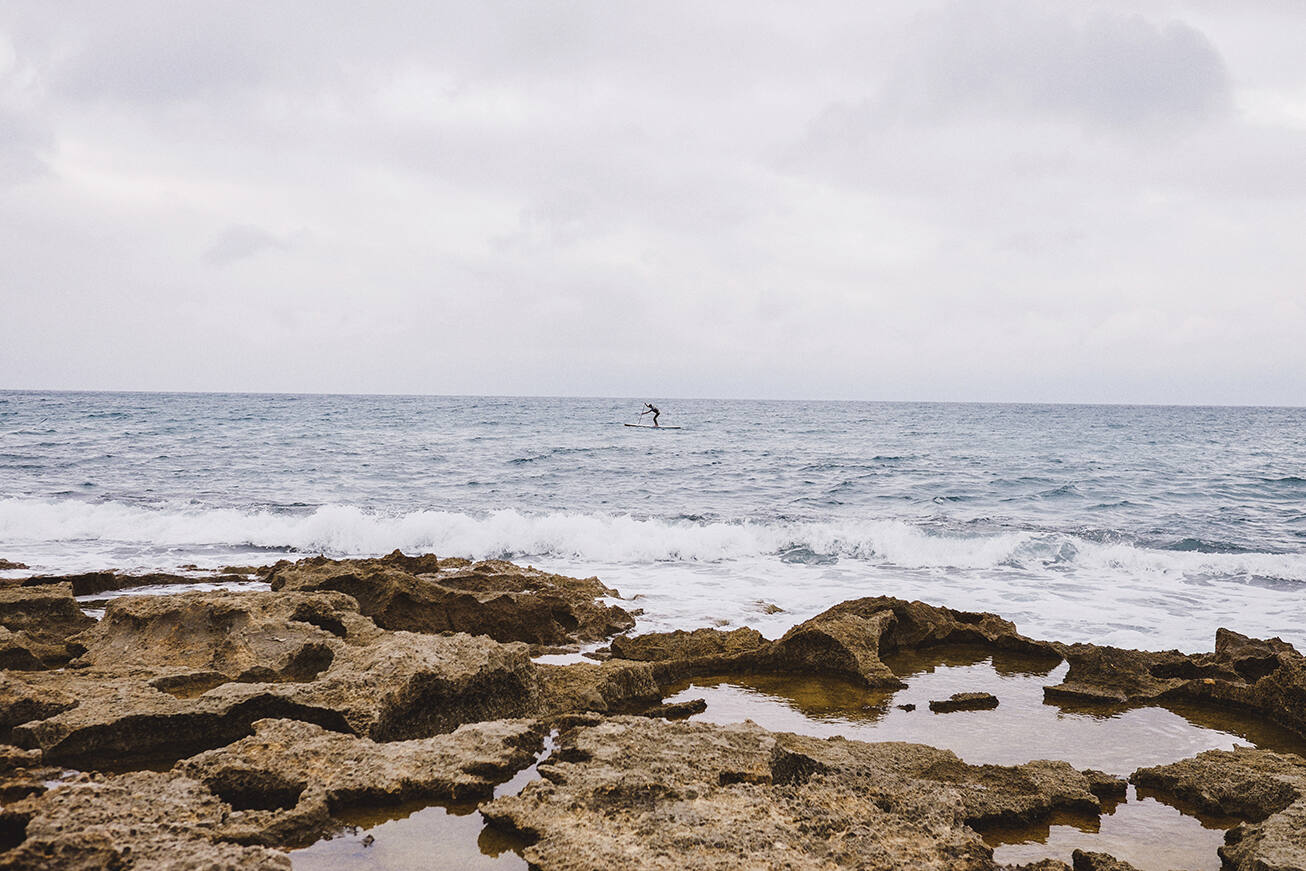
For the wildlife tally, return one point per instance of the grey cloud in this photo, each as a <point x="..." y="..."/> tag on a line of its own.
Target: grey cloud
<point x="1022" y="58"/>
<point x="240" y="242"/>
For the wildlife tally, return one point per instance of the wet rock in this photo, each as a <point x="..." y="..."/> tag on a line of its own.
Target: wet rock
<point x="615" y="686"/>
<point x="146" y="820"/>
<point x="698" y="644"/>
<point x="840" y="643"/>
<point x="38" y="622"/>
<point x="964" y="702"/>
<point x="393" y="686"/>
<point x="1266" y="676"/>
<point x="244" y="636"/>
<point x="1266" y="789"/>
<point x="92" y="583"/>
<point x="493" y="597"/>
<point x="1084" y="861"/>
<point x="284" y="781"/>
<point x="845" y="641"/>
<point x="656" y="794"/>
<point x="676" y="710"/>
<point x="10" y="565"/>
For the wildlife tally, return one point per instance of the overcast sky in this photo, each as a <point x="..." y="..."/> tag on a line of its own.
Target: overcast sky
<point x="1012" y="201"/>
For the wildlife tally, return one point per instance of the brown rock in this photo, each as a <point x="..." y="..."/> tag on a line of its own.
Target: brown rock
<point x="395" y="685"/>
<point x="10" y="565"/>
<point x="693" y="795"/>
<point x="1266" y="676"/>
<point x="244" y="636"/>
<point x="39" y="622"/>
<point x="964" y="702"/>
<point x="284" y="781"/>
<point x="145" y="820"/>
<point x="1266" y="789"/>
<point x="494" y="598"/>
<point x="1084" y="861"/>
<point x="91" y="583"/>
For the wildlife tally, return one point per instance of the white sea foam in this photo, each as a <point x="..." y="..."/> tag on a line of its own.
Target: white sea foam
<point x="340" y="530"/>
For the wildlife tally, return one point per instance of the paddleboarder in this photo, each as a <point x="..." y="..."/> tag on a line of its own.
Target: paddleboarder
<point x="650" y="407"/>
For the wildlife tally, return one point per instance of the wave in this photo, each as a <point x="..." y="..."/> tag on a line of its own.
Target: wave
<point x="342" y="530"/>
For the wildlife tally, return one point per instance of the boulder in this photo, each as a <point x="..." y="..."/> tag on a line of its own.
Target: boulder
<point x="10" y="565"/>
<point x="629" y="792"/>
<point x="286" y="780"/>
<point x="1266" y="789"/>
<point x="38" y="623"/>
<point x="493" y="597"/>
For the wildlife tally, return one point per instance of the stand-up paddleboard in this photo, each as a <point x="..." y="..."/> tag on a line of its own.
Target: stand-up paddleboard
<point x="650" y="426"/>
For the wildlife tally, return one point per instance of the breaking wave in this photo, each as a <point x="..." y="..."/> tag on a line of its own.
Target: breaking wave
<point x="342" y="530"/>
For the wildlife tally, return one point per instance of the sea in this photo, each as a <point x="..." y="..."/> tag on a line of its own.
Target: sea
<point x="1138" y="526"/>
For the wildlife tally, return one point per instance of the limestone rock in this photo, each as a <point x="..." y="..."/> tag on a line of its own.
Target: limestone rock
<point x="244" y="636"/>
<point x="286" y="779"/>
<point x="392" y="686"/>
<point x="1266" y="789"/>
<point x="146" y="820"/>
<point x="494" y="598"/>
<point x="39" y="622"/>
<point x="630" y="792"/>
<point x="1267" y="676"/>
<point x="91" y="583"/>
<point x="1085" y="861"/>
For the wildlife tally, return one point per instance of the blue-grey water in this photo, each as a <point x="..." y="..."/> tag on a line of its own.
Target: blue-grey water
<point x="1143" y="526"/>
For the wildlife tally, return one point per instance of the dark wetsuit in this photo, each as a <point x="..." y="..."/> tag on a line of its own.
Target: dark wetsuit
<point x="651" y="408"/>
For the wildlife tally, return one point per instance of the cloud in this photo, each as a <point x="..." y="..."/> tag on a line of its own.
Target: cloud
<point x="241" y="242"/>
<point x="1103" y="70"/>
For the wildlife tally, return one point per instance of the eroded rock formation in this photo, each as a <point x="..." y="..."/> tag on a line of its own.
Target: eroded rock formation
<point x="493" y="597"/>
<point x="1266" y="789"/>
<point x="633" y="792"/>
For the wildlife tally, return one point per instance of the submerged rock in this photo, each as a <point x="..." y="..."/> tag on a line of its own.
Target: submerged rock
<point x="36" y="624"/>
<point x="493" y="597"/>
<point x="964" y="702"/>
<point x="631" y="792"/>
<point x="1266" y="789"/>
<point x="286" y="780"/>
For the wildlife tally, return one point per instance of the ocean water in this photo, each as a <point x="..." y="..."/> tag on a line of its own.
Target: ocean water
<point x="1138" y="526"/>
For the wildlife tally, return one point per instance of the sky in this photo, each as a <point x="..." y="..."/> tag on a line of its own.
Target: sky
<point x="957" y="201"/>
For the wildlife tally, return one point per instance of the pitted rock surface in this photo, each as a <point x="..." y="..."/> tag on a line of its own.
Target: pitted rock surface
<point x="37" y="624"/>
<point x="145" y="821"/>
<point x="391" y="686"/>
<point x="245" y="636"/>
<point x="287" y="779"/>
<point x="631" y="792"/>
<point x="492" y="597"/>
<point x="1267" y="676"/>
<point x="1266" y="789"/>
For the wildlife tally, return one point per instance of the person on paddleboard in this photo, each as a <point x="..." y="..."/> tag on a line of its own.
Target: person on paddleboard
<point x="650" y="407"/>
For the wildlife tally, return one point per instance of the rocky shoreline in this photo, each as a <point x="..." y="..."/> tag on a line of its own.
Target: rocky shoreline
<point x="218" y="729"/>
